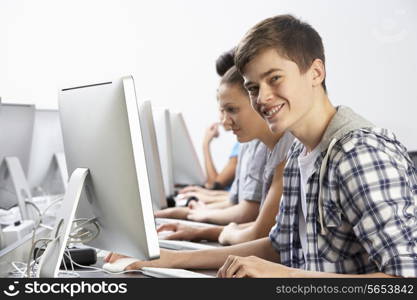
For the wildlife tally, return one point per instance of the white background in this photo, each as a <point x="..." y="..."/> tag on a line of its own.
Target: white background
<point x="170" y="48"/>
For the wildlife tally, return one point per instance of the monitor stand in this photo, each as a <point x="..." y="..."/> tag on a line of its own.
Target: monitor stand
<point x="13" y="186"/>
<point x="55" y="181"/>
<point x="51" y="259"/>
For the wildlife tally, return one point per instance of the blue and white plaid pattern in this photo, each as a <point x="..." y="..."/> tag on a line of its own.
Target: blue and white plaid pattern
<point x="369" y="209"/>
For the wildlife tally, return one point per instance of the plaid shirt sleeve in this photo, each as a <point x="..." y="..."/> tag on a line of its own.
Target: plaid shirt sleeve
<point x="378" y="197"/>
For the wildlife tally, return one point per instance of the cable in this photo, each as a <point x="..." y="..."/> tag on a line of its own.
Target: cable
<point x="39" y="223"/>
<point x="54" y="202"/>
<point x="30" y="264"/>
<point x="79" y="237"/>
<point x="82" y="234"/>
<point x="37" y="210"/>
<point x="21" y="272"/>
<point x="46" y="226"/>
<point x="67" y="273"/>
<point x="31" y="252"/>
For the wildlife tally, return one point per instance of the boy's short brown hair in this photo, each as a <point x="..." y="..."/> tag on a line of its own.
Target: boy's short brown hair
<point x="293" y="39"/>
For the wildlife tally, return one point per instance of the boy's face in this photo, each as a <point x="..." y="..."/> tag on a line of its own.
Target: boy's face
<point x="278" y="91"/>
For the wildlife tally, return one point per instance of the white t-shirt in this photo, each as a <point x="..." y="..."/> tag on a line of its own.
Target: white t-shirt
<point x="306" y="165"/>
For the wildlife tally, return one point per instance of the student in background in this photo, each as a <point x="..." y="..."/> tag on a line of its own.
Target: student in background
<point x="348" y="209"/>
<point x="217" y="180"/>
<point x="224" y="179"/>
<point x="216" y="190"/>
<point x="242" y="204"/>
<point x="217" y="184"/>
<point x="246" y="192"/>
<point x="271" y="185"/>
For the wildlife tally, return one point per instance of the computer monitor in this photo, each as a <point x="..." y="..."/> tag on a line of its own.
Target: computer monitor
<point x="109" y="182"/>
<point x="186" y="165"/>
<point x="16" y="128"/>
<point x="16" y="131"/>
<point x="152" y="155"/>
<point x="47" y="173"/>
<point x="162" y="123"/>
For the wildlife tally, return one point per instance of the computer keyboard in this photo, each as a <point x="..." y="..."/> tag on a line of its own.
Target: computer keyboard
<point x="183" y="245"/>
<point x="172" y="273"/>
<point x="160" y="221"/>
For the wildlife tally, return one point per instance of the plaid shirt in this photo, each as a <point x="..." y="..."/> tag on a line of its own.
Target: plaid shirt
<point x="369" y="209"/>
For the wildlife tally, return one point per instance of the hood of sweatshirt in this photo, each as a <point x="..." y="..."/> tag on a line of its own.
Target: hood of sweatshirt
<point x="344" y="121"/>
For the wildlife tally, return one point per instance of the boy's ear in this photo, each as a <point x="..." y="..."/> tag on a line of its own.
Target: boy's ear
<point x="318" y="72"/>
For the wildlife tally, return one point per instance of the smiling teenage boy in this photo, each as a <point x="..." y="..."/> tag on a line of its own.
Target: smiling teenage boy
<point x="349" y="200"/>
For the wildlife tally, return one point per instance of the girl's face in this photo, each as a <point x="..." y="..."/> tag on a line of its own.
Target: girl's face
<point x="221" y="117"/>
<point x="238" y="114"/>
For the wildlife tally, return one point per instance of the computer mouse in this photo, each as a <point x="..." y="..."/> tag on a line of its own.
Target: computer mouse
<point x="119" y="265"/>
<point x="182" y="200"/>
<point x="192" y="198"/>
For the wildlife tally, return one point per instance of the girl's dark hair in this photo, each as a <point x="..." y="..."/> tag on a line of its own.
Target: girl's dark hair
<point x="225" y="62"/>
<point x="233" y="77"/>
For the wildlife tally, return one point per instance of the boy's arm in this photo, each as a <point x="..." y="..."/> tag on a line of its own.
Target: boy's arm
<point x="252" y="266"/>
<point x="379" y="203"/>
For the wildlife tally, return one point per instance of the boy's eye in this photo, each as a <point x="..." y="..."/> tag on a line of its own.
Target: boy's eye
<point x="253" y="90"/>
<point x="274" y="78"/>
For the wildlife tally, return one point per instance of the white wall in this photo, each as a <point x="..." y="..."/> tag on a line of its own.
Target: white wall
<point x="170" y="48"/>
